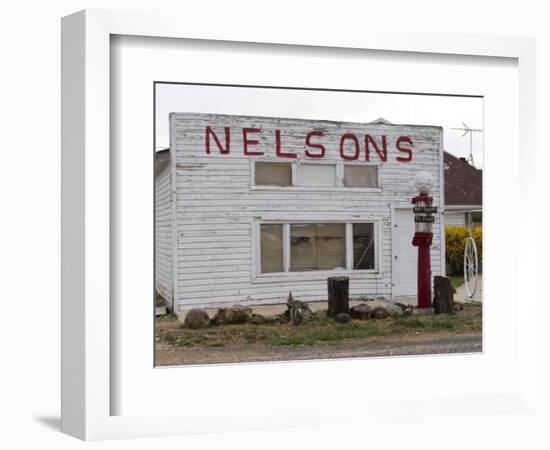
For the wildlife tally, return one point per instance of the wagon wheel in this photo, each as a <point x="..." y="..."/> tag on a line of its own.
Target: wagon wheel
<point x="470" y="266"/>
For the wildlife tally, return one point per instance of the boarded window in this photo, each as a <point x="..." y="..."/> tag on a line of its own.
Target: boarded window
<point x="360" y="176"/>
<point x="273" y="174"/>
<point x="317" y="247"/>
<point x="363" y="246"/>
<point x="271" y="248"/>
<point x="317" y="174"/>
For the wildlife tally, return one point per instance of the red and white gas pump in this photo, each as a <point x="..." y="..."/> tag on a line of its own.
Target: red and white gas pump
<point x="423" y="220"/>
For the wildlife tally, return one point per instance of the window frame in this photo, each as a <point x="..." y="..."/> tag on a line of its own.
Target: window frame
<point x="258" y="276"/>
<point x="296" y="163"/>
<point x="362" y="163"/>
<point x="318" y="162"/>
<point x="271" y="161"/>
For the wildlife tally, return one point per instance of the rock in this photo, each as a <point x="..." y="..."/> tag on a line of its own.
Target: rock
<point x="380" y="313"/>
<point x="257" y="319"/>
<point x="360" y="312"/>
<point x="458" y="306"/>
<point x="233" y="315"/>
<point x="389" y="306"/>
<point x="342" y="318"/>
<point x="196" y="318"/>
<point x="298" y="312"/>
<point x="407" y="309"/>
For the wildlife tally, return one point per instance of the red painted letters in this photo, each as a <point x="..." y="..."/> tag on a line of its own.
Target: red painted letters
<point x="278" y="150"/>
<point x="382" y="154"/>
<point x="223" y="150"/>
<point x="320" y="147"/>
<point x="247" y="142"/>
<point x="356" y="143"/>
<point x="350" y="146"/>
<point x="407" y="150"/>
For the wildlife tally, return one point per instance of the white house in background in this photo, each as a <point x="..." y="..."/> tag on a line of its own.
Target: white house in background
<point x="250" y="208"/>
<point x="463" y="192"/>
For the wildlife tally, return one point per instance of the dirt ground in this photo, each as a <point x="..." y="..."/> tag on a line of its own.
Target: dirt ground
<point x="169" y="355"/>
<point x="444" y="334"/>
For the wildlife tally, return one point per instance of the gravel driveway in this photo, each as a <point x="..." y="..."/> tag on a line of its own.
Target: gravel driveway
<point x="426" y="344"/>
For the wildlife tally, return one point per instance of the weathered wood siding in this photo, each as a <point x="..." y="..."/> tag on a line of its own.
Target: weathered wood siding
<point x="217" y="206"/>
<point x="163" y="229"/>
<point x="455" y="219"/>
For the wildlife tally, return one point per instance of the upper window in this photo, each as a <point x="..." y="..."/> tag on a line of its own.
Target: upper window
<point x="317" y="175"/>
<point x="273" y="174"/>
<point x="312" y="174"/>
<point x="360" y="176"/>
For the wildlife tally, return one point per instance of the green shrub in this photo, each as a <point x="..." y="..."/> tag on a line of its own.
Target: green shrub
<point x="477" y="234"/>
<point x="455" y="240"/>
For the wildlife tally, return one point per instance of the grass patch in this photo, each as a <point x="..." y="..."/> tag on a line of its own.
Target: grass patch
<point x="457" y="280"/>
<point x="320" y="332"/>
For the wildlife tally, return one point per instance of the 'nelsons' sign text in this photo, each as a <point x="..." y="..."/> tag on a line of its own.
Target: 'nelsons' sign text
<point x="313" y="143"/>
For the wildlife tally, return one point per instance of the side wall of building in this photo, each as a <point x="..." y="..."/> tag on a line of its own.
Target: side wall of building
<point x="218" y="207"/>
<point x="163" y="228"/>
<point x="455" y="219"/>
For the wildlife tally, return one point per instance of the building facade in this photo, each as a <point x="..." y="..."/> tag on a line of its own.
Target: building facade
<point x="250" y="208"/>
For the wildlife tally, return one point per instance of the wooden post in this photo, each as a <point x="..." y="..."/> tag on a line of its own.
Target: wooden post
<point x="443" y="295"/>
<point x="338" y="295"/>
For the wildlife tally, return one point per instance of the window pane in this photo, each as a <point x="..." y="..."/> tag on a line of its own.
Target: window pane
<point x="360" y="176"/>
<point x="363" y="246"/>
<point x="317" y="247"/>
<point x="317" y="174"/>
<point x="303" y="247"/>
<point x="331" y="246"/>
<point x="271" y="248"/>
<point x="273" y="174"/>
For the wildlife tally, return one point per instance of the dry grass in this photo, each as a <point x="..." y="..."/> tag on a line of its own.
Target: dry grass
<point x="321" y="332"/>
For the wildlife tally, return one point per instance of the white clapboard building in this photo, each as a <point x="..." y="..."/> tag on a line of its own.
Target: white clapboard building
<point x="250" y="208"/>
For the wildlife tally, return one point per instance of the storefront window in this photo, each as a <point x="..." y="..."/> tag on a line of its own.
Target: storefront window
<point x="317" y="246"/>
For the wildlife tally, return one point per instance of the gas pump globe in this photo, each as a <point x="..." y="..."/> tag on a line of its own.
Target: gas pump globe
<point x="423" y="221"/>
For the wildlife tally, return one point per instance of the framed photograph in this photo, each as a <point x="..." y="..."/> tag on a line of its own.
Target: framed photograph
<point x="252" y="219"/>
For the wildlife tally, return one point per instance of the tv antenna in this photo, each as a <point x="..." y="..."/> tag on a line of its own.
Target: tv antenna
<point x="470" y="131"/>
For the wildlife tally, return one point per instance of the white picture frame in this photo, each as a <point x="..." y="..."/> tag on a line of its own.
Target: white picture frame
<point x="87" y="318"/>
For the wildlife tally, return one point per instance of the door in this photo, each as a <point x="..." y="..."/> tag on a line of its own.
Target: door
<point x="404" y="254"/>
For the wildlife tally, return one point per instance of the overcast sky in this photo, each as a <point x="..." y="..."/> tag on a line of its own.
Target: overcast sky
<point x="448" y="112"/>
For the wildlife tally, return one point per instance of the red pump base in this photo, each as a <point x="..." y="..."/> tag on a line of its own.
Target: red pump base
<point x="423" y="240"/>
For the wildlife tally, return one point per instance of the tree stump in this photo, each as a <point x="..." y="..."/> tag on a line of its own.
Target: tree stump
<point x="443" y="295"/>
<point x="338" y="295"/>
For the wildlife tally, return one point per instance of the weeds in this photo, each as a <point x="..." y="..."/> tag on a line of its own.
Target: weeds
<point x="323" y="331"/>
